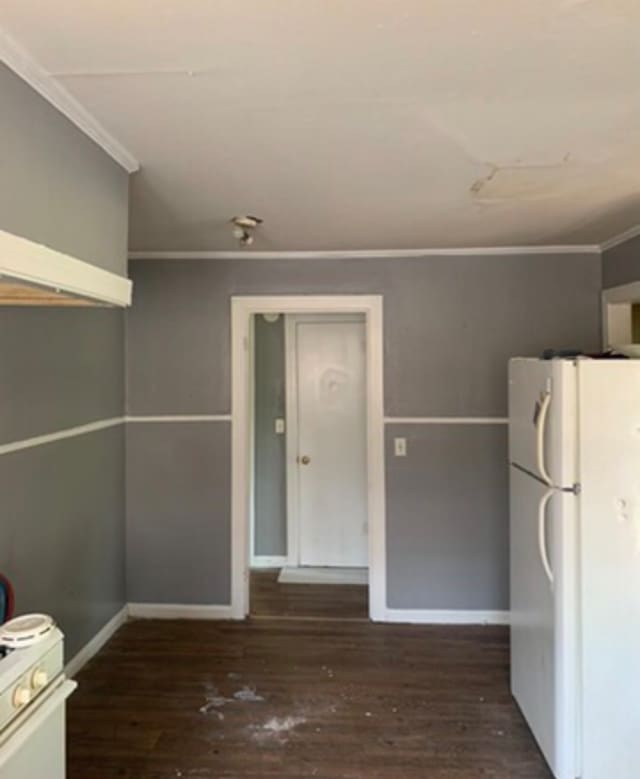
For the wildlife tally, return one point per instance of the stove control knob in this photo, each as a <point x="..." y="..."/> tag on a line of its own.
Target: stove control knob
<point x="39" y="679"/>
<point x="21" y="696"/>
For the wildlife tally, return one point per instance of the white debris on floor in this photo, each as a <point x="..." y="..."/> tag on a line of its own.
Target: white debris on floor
<point x="214" y="700"/>
<point x="276" y="728"/>
<point x="248" y="695"/>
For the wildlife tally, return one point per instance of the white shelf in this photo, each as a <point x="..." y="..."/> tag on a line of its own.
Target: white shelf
<point x="34" y="274"/>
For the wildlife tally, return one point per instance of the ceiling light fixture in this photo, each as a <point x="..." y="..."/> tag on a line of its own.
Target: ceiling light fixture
<point x="243" y="227"/>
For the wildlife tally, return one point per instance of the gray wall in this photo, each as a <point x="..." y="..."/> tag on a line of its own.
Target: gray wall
<point x="178" y="507"/>
<point x="621" y="264"/>
<point x="59" y="368"/>
<point x="62" y="517"/>
<point x="270" y="485"/>
<point x="451" y="323"/>
<point x="57" y="187"/>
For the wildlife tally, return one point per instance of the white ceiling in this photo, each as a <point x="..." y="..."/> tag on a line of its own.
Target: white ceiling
<point x="358" y="124"/>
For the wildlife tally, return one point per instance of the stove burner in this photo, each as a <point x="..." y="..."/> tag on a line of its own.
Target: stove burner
<point x="26" y="630"/>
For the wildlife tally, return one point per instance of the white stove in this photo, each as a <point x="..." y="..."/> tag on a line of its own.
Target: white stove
<point x="33" y="692"/>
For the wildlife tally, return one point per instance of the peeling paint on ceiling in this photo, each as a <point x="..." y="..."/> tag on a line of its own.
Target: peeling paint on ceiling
<point x="364" y="124"/>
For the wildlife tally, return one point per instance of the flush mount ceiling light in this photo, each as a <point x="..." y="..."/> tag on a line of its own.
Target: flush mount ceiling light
<point x="243" y="227"/>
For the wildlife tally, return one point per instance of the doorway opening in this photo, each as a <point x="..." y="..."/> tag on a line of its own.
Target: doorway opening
<point x="621" y="317"/>
<point x="309" y="545"/>
<point x="308" y="457"/>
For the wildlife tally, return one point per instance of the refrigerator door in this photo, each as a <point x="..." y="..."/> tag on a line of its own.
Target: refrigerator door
<point x="543" y="635"/>
<point x="542" y="409"/>
<point x="609" y="426"/>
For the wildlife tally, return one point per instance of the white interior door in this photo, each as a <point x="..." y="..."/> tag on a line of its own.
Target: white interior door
<point x="331" y="452"/>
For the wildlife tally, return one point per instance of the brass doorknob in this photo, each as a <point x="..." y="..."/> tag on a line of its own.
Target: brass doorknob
<point x="305" y="460"/>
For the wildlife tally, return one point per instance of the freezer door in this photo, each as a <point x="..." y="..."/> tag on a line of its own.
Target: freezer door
<point x="542" y="418"/>
<point x="542" y="626"/>
<point x="609" y="397"/>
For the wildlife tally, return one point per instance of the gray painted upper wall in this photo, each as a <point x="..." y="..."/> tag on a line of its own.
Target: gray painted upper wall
<point x="59" y="368"/>
<point x="450" y="324"/>
<point x="270" y="485"/>
<point x="58" y="187"/>
<point x="621" y="264"/>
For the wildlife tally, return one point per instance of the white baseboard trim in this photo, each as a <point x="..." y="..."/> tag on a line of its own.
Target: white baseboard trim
<point x="263" y="561"/>
<point x="179" y="611"/>
<point x="191" y="611"/>
<point x="92" y="647"/>
<point x="446" y="617"/>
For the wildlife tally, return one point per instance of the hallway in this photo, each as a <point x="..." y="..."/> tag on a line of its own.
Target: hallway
<point x="270" y="598"/>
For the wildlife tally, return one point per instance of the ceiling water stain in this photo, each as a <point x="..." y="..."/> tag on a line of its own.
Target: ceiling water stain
<point x="527" y="182"/>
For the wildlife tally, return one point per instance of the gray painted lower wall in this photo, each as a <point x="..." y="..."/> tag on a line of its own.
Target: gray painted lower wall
<point x="270" y="484"/>
<point x="63" y="531"/>
<point x="178" y="507"/>
<point x="621" y="264"/>
<point x="62" y="518"/>
<point x="447" y="505"/>
<point x="450" y="325"/>
<point x="58" y="187"/>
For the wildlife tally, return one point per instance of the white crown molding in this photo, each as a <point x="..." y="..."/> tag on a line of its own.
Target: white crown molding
<point x="364" y="254"/>
<point x="627" y="235"/>
<point x="25" y="66"/>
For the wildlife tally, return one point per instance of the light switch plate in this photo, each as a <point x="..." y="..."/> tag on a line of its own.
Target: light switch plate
<point x="400" y="447"/>
<point x="279" y="426"/>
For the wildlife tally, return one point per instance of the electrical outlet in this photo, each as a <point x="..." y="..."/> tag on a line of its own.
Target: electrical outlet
<point x="400" y="447"/>
<point x="279" y="426"/>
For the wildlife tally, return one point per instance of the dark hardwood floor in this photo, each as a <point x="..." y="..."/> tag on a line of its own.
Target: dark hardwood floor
<point x="269" y="598"/>
<point x="270" y="699"/>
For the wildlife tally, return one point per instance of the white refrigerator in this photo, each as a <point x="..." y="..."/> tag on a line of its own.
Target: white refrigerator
<point x="574" y="451"/>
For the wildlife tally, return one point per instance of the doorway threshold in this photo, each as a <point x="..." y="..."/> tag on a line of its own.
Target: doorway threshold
<point x="323" y="575"/>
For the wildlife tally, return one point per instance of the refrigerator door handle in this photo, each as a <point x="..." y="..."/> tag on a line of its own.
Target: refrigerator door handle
<point x="541" y="429"/>
<point x="542" y="534"/>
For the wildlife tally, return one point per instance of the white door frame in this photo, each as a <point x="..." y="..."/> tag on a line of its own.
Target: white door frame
<point x="242" y="309"/>
<point x="616" y="313"/>
<point x="291" y="398"/>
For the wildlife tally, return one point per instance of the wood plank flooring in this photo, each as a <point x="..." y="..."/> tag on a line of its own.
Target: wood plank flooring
<point x="269" y="598"/>
<point x="271" y="699"/>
